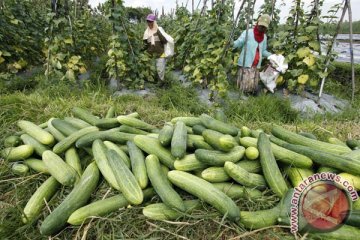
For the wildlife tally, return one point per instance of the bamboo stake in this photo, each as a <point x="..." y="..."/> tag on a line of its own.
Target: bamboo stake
<point x="245" y="43"/>
<point x="330" y="49"/>
<point x="351" y="53"/>
<point x="192" y="6"/>
<point x="115" y="58"/>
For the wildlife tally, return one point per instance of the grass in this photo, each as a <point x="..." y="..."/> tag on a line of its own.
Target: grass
<point x="40" y="104"/>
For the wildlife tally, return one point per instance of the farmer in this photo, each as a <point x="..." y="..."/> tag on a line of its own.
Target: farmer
<point x="154" y="42"/>
<point x="254" y="51"/>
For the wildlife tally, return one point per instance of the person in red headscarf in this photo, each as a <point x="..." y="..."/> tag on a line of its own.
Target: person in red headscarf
<point x="252" y="54"/>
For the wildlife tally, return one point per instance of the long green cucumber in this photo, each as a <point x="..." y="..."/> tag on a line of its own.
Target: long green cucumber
<point x="21" y="152"/>
<point x="12" y="141"/>
<point x="107" y="123"/>
<point x="218" y="158"/>
<point x="250" y="165"/>
<point x="196" y="142"/>
<point x="125" y="178"/>
<point x="189" y="121"/>
<point x="166" y="133"/>
<point x="77" y="198"/>
<point x="297" y="175"/>
<point x="161" y="211"/>
<point x="72" y="158"/>
<point x="110" y="112"/>
<point x="243" y="177"/>
<point x="153" y="146"/>
<point x="217" y="125"/>
<point x="158" y="180"/>
<point x="111" y="135"/>
<point x="60" y="170"/>
<point x="189" y="163"/>
<point x="85" y="115"/>
<point x="128" y="129"/>
<point x="37" y="201"/>
<point x="64" y="127"/>
<point x="124" y="157"/>
<point x="77" y="122"/>
<point x="103" y="207"/>
<point x="136" y="123"/>
<point x="215" y="175"/>
<point x="198" y="129"/>
<point x="355" y="154"/>
<point x="218" y="140"/>
<point x="36" y="165"/>
<point x="282" y="154"/>
<point x="206" y="192"/>
<point x="54" y="131"/>
<point x="138" y="166"/>
<point x="39" y="148"/>
<point x="345" y="232"/>
<point x="178" y="140"/>
<point x="67" y="142"/>
<point x="270" y="169"/>
<point x="235" y="191"/>
<point x="36" y="132"/>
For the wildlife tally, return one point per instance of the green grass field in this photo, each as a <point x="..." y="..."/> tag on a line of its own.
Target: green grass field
<point x="41" y="103"/>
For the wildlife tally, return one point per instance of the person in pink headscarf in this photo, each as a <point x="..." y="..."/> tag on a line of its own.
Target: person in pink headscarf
<point x="154" y="42"/>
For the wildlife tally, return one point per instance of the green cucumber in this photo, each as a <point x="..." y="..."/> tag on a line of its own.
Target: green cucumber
<point x="355" y="154"/>
<point x="161" y="211"/>
<point x="64" y="127"/>
<point x="110" y="112"/>
<point x="12" y="141"/>
<point x="166" y="133"/>
<point x="189" y="163"/>
<point x="19" y="169"/>
<point x="197" y="142"/>
<point x="138" y="166"/>
<point x="70" y="140"/>
<point x="218" y="140"/>
<point x="36" y="132"/>
<point x="128" y="129"/>
<point x="111" y="135"/>
<point x="259" y="219"/>
<point x="243" y="177"/>
<point x="77" y="198"/>
<point x="125" y="178"/>
<point x="39" y="198"/>
<point x="235" y="191"/>
<point x="308" y="135"/>
<point x="103" y="207"/>
<point x="353" y="143"/>
<point x="107" y="123"/>
<point x="334" y="140"/>
<point x="218" y="158"/>
<point x="250" y="165"/>
<point x="77" y="122"/>
<point x="220" y="115"/>
<point x="217" y="125"/>
<point x="158" y="180"/>
<point x="72" y="158"/>
<point x="189" y="121"/>
<point x="352" y="179"/>
<point x="54" y="131"/>
<point x="178" y="140"/>
<point x="36" y="165"/>
<point x="198" y="129"/>
<point x="60" y="170"/>
<point x="85" y="115"/>
<point x="206" y="192"/>
<point x="270" y="169"/>
<point x="124" y="157"/>
<point x="136" y="123"/>
<point x="327" y="169"/>
<point x="215" y="175"/>
<point x="153" y="146"/>
<point x="39" y="148"/>
<point x="21" y="152"/>
<point x="345" y="232"/>
<point x="297" y="175"/>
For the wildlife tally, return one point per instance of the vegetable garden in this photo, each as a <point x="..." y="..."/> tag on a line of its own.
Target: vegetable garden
<point x="79" y="163"/>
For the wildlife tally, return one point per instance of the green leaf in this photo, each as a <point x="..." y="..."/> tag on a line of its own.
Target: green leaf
<point x="302" y="39"/>
<point x="296" y="72"/>
<point x="15" y="21"/>
<point x="2" y="60"/>
<point x="314" y="45"/>
<point x="68" y="41"/>
<point x="311" y="29"/>
<point x="303" y="52"/>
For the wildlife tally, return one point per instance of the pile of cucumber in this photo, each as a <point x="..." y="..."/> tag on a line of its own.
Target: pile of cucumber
<point x="204" y="156"/>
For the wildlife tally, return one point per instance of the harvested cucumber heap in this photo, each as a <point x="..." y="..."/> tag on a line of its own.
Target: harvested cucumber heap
<point x="213" y="161"/>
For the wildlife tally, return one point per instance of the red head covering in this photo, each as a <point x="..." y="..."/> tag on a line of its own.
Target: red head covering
<point x="259" y="36"/>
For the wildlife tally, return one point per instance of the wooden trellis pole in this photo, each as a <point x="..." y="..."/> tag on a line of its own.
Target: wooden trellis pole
<point x="351" y="52"/>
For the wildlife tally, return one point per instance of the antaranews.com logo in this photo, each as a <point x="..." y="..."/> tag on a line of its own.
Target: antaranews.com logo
<point x="322" y="202"/>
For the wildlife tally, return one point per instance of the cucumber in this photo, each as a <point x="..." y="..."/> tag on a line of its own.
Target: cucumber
<point x="354" y="218"/>
<point x="352" y="179"/>
<point x="153" y="146"/>
<point x="133" y="115"/>
<point x="100" y="150"/>
<point x="85" y="115"/>
<point x="178" y="140"/>
<point x="345" y="232"/>
<point x="21" y="152"/>
<point x="39" y="148"/>
<point x="12" y="141"/>
<point x="259" y="219"/>
<point x="111" y="135"/>
<point x="77" y="198"/>
<point x="250" y="166"/>
<point x="37" y="201"/>
<point x="271" y="170"/>
<point x="54" y="131"/>
<point x="166" y="133"/>
<point x="73" y="160"/>
<point x="189" y="163"/>
<point x="36" y="132"/>
<point x="220" y="115"/>
<point x="107" y="123"/>
<point x="218" y="140"/>
<point x="19" y="169"/>
<point x="138" y="166"/>
<point x="356" y="204"/>
<point x="206" y="192"/>
<point x="215" y="175"/>
<point x="77" y="122"/>
<point x="110" y="112"/>
<point x="218" y="158"/>
<point x="103" y="207"/>
<point x="161" y="211"/>
<point x="355" y="154"/>
<point x="282" y="154"/>
<point x="64" y="127"/>
<point x="67" y="142"/>
<point x="189" y="121"/>
<point x="158" y="180"/>
<point x="235" y="191"/>
<point x="196" y="142"/>
<point x="334" y="140"/>
<point x="353" y="143"/>
<point x="327" y="169"/>
<point x="125" y="178"/>
<point x="198" y="129"/>
<point x="246" y="132"/>
<point x="134" y="122"/>
<point x="217" y="125"/>
<point x="124" y="157"/>
<point x="36" y="165"/>
<point x="243" y="177"/>
<point x="294" y="138"/>
<point x="128" y="129"/>
<point x="308" y="135"/>
<point x="297" y="175"/>
<point x="60" y="170"/>
<point x="188" y="130"/>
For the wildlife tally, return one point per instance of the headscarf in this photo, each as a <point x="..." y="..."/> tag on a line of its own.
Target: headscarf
<point x="149" y="33"/>
<point x="259" y="36"/>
